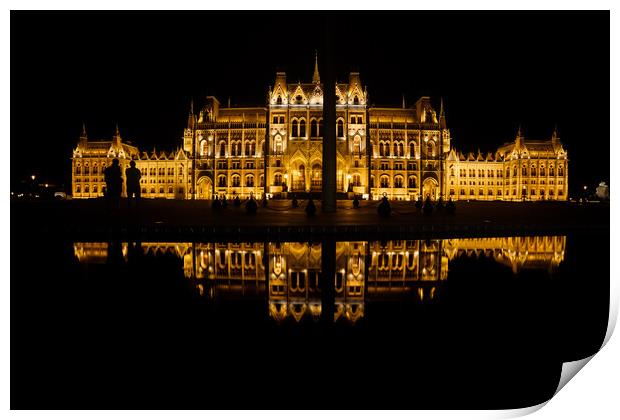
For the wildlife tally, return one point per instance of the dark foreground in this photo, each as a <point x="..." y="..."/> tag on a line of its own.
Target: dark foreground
<point x="173" y="219"/>
<point x="139" y="329"/>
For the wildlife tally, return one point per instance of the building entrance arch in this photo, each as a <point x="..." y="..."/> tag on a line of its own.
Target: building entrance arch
<point x="430" y="188"/>
<point x="204" y="188"/>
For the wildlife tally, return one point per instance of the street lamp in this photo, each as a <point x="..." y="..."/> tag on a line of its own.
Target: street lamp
<point x="32" y="177"/>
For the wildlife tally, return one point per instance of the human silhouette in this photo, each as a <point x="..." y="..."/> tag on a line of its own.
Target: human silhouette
<point x="310" y="207"/>
<point x="428" y="205"/>
<point x="132" y="178"/>
<point x="384" y="208"/>
<point x="113" y="181"/>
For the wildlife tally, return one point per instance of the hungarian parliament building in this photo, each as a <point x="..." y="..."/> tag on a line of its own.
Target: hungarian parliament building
<point x="400" y="152"/>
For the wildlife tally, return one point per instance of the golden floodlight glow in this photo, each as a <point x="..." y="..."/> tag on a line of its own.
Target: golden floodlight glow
<point x="406" y="153"/>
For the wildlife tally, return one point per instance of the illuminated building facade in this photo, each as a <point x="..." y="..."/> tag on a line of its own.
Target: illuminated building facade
<point x="402" y="152"/>
<point x="288" y="273"/>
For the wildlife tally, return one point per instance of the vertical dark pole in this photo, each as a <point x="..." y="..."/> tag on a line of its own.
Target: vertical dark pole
<point x="328" y="280"/>
<point x="368" y="149"/>
<point x="194" y="161"/>
<point x="213" y="165"/>
<point x="329" y="123"/>
<point x="266" y="151"/>
<point x="267" y="271"/>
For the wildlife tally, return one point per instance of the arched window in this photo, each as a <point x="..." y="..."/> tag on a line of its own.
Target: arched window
<point x="551" y="171"/>
<point x="356" y="180"/>
<point x="514" y="170"/>
<point x="275" y="119"/>
<point x="249" y="181"/>
<point x="78" y="189"/>
<point x="170" y="190"/>
<point x="413" y="182"/>
<point x="357" y="145"/>
<point x="411" y="149"/>
<point x="400" y="148"/>
<point x="221" y="181"/>
<point x="383" y="149"/>
<point x="524" y="171"/>
<point x="385" y="181"/>
<point x="161" y="190"/>
<point x="561" y="171"/>
<point x="302" y="128"/>
<point x="314" y="129"/>
<point x="398" y="181"/>
<point x="430" y="149"/>
<point x="95" y="172"/>
<point x="340" y="128"/>
<point x="294" y="128"/>
<point x="236" y="181"/>
<point x="279" y="100"/>
<point x="261" y="180"/>
<point x="86" y="169"/>
<point x="222" y="149"/>
<point x="203" y="148"/>
<point x="278" y="145"/>
<point x="78" y="170"/>
<point x="86" y="189"/>
<point x="277" y="179"/>
<point x="451" y="170"/>
<point x="356" y="100"/>
<point x="248" y="149"/>
<point x="533" y="171"/>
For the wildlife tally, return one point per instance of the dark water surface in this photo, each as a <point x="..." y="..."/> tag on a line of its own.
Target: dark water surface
<point x="437" y="323"/>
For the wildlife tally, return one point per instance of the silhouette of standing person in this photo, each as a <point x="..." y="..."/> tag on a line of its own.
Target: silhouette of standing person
<point x="132" y="177"/>
<point x="114" y="182"/>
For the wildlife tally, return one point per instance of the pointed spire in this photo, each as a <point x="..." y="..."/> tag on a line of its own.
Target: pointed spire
<point x="442" y="115"/>
<point x="316" y="78"/>
<point x="229" y="102"/>
<point x="404" y="101"/>
<point x="116" y="141"/>
<point x="83" y="135"/>
<point x="191" y="119"/>
<point x="555" y="138"/>
<point x="519" y="139"/>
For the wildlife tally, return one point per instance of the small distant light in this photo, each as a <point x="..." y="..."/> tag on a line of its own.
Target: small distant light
<point x="46" y="185"/>
<point x="32" y="177"/>
<point x="585" y="187"/>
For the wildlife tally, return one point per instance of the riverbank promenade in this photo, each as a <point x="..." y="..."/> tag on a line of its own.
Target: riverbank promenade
<point x="81" y="218"/>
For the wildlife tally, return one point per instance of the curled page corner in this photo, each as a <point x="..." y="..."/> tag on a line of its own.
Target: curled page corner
<point x="570" y="369"/>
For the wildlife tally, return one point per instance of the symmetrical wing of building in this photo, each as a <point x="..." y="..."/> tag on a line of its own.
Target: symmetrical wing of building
<point x="402" y="152"/>
<point x="289" y="273"/>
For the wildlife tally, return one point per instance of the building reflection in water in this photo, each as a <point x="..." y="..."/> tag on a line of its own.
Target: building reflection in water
<point x="288" y="274"/>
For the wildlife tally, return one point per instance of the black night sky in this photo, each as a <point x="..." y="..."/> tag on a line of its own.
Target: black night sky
<point x="140" y="69"/>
